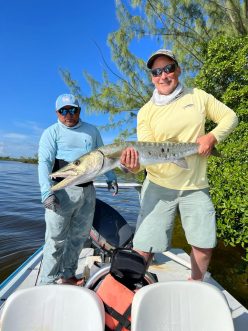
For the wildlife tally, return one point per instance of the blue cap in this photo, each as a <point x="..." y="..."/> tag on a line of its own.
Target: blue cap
<point x="66" y="100"/>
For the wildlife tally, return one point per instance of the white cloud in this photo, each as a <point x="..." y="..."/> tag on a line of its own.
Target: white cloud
<point x="18" y="149"/>
<point x="14" y="136"/>
<point x="30" y="126"/>
<point x="21" y="141"/>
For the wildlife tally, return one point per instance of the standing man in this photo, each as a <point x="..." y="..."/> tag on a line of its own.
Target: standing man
<point x="178" y="114"/>
<point x="69" y="212"/>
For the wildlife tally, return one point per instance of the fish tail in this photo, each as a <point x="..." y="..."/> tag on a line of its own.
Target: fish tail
<point x="215" y="152"/>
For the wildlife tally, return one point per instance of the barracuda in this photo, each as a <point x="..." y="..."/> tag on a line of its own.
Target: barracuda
<point x="90" y="165"/>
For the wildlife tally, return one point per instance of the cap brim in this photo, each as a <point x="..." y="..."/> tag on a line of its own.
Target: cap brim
<point x="153" y="58"/>
<point x="69" y="104"/>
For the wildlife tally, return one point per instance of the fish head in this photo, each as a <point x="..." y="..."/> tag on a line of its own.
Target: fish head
<point x="80" y="171"/>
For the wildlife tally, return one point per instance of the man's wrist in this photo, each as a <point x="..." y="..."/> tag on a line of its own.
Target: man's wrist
<point x="213" y="138"/>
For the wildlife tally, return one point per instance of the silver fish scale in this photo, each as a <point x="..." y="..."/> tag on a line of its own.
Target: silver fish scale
<point x="153" y="150"/>
<point x="168" y="151"/>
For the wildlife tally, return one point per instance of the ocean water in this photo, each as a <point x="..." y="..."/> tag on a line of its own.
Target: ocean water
<point x="22" y="226"/>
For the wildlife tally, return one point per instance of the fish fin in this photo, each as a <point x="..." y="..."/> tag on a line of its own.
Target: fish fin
<point x="181" y="163"/>
<point x="170" y="140"/>
<point x="123" y="168"/>
<point x="215" y="152"/>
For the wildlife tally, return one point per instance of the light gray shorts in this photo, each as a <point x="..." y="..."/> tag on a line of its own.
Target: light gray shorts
<point x="159" y="206"/>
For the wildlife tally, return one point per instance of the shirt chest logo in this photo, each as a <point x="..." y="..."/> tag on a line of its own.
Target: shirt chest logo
<point x="190" y="105"/>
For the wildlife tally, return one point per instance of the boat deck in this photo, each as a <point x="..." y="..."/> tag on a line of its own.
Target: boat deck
<point x="169" y="266"/>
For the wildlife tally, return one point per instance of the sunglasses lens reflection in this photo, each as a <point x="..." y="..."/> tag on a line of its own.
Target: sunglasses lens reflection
<point x="169" y="68"/>
<point x="71" y="111"/>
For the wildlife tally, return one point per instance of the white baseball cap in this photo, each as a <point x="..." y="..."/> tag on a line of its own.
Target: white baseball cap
<point x="158" y="53"/>
<point x="66" y="100"/>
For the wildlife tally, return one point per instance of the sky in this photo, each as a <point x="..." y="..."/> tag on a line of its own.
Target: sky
<point x="37" y="38"/>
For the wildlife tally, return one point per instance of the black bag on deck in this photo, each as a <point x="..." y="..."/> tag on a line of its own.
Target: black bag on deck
<point x="128" y="267"/>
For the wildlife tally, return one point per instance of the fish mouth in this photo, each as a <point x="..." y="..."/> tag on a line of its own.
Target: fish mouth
<point x="64" y="174"/>
<point x="80" y="171"/>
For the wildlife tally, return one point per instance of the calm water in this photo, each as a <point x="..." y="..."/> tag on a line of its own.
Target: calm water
<point x="22" y="226"/>
<point x="22" y="223"/>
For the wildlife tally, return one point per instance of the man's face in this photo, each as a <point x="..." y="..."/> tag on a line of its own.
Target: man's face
<point x="68" y="119"/>
<point x="167" y="82"/>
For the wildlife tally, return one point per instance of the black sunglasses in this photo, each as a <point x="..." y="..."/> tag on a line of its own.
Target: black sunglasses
<point x="169" y="68"/>
<point x="72" y="111"/>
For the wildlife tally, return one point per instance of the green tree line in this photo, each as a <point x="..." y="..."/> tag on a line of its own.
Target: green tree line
<point x="23" y="159"/>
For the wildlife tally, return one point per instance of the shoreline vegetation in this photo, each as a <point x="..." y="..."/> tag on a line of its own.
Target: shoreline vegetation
<point x="23" y="159"/>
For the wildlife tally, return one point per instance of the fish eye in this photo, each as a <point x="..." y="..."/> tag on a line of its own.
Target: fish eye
<point x="77" y="162"/>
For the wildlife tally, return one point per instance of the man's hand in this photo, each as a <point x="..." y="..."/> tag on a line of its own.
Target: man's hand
<point x="112" y="185"/>
<point x="206" y="144"/>
<point x="130" y="159"/>
<point x="52" y="203"/>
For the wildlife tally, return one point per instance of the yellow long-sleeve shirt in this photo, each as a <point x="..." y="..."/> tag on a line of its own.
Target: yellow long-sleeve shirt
<point x="183" y="121"/>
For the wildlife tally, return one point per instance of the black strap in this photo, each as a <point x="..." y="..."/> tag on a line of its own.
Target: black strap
<point x="127" y="323"/>
<point x="122" y="319"/>
<point x="85" y="184"/>
<point x="58" y="164"/>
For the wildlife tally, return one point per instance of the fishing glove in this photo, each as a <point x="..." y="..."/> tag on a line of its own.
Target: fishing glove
<point x="52" y="203"/>
<point x="112" y="185"/>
